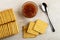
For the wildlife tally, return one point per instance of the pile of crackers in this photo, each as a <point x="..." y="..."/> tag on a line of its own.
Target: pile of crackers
<point x="8" y="25"/>
<point x="33" y="29"/>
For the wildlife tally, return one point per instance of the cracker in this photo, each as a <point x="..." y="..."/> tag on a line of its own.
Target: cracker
<point x="40" y="26"/>
<point x="30" y="29"/>
<point x="26" y="34"/>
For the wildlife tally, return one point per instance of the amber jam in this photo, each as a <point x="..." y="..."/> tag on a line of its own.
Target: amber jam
<point x="29" y="9"/>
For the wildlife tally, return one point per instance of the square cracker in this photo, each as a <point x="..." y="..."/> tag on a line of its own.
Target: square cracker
<point x="7" y="16"/>
<point x="26" y="34"/>
<point x="13" y="28"/>
<point x="40" y="26"/>
<point x="30" y="29"/>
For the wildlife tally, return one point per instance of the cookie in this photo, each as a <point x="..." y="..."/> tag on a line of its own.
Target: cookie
<point x="30" y="28"/>
<point x="26" y="34"/>
<point x="40" y="26"/>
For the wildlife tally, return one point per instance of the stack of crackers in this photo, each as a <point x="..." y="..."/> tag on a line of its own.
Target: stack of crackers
<point x="8" y="24"/>
<point x="34" y="28"/>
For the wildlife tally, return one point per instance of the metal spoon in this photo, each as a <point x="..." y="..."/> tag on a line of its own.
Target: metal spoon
<point x="44" y="9"/>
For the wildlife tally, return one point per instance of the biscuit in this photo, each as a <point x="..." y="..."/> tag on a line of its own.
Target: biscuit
<point x="26" y="34"/>
<point x="30" y="29"/>
<point x="40" y="26"/>
<point x="8" y="25"/>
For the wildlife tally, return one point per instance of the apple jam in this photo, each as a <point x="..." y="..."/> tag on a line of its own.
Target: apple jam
<point x="29" y="9"/>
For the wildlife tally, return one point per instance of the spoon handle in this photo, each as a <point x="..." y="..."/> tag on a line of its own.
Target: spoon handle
<point x="51" y="25"/>
<point x="50" y="22"/>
